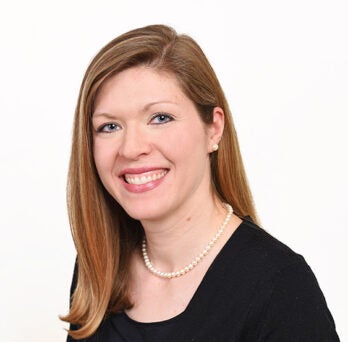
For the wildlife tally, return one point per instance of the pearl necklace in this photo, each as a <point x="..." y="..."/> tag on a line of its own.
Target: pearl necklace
<point x="195" y="261"/>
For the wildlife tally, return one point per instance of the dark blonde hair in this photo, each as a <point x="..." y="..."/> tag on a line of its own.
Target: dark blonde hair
<point x="104" y="235"/>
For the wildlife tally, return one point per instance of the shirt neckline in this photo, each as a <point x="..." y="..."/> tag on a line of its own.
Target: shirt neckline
<point x="209" y="273"/>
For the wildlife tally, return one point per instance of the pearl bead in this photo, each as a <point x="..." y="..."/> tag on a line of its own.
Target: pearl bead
<point x="195" y="261"/>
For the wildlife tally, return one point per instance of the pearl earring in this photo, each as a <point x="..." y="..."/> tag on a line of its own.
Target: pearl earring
<point x="215" y="147"/>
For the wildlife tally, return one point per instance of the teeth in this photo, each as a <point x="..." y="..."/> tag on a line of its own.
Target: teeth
<point x="131" y="179"/>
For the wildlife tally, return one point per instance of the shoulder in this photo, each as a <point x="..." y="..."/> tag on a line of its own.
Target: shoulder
<point x="250" y="263"/>
<point x="259" y="251"/>
<point x="278" y="288"/>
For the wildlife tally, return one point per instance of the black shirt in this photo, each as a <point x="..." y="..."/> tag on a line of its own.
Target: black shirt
<point x="257" y="289"/>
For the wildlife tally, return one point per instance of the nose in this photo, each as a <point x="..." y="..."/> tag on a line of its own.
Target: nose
<point x="135" y="143"/>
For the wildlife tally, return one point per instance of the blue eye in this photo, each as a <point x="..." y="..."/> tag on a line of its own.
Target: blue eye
<point x="161" y="118"/>
<point x="108" y="128"/>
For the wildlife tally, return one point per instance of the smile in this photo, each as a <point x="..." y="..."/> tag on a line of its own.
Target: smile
<point x="146" y="177"/>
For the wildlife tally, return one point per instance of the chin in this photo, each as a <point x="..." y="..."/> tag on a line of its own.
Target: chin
<point x="145" y="212"/>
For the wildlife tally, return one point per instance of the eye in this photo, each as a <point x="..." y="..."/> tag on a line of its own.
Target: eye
<point x="108" y="128"/>
<point x="161" y="118"/>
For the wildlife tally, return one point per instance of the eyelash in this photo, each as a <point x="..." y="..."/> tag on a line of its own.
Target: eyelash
<point x="115" y="126"/>
<point x="168" y="118"/>
<point x="101" y="129"/>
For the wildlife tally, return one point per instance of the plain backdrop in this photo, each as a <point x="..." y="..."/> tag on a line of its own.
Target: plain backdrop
<point x="284" y="68"/>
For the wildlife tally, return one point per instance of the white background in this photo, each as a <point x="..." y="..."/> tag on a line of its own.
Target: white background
<point x="284" y="68"/>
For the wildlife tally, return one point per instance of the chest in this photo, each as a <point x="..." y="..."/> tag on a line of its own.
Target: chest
<point x="159" y="299"/>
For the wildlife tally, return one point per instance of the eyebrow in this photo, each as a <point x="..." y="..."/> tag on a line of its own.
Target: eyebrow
<point x="144" y="109"/>
<point x="147" y="106"/>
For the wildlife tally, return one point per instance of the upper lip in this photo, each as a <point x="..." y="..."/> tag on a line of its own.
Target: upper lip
<point x="140" y="170"/>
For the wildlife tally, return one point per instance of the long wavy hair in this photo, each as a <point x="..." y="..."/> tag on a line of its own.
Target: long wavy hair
<point x="104" y="235"/>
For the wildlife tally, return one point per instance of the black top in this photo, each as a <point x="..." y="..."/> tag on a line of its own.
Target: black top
<point x="257" y="289"/>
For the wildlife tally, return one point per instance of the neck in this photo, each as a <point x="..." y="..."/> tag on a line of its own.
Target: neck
<point x="175" y="241"/>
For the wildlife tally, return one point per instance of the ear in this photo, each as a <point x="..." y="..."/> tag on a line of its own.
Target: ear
<point x="215" y="129"/>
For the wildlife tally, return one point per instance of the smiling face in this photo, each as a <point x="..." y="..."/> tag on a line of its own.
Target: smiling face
<point x="151" y="148"/>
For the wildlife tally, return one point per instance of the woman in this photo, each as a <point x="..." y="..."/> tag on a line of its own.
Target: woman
<point x="154" y="174"/>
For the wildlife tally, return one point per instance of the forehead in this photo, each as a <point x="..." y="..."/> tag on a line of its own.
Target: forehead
<point x="138" y="86"/>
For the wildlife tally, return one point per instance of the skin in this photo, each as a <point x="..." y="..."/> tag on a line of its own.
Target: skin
<point x="145" y="126"/>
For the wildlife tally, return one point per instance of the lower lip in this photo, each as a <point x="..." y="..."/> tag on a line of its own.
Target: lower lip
<point x="139" y="188"/>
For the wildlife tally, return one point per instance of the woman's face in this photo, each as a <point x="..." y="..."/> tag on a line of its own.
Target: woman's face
<point x="151" y="148"/>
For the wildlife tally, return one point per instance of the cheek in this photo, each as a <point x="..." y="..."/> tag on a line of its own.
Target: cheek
<point x="188" y="141"/>
<point x="188" y="151"/>
<point x="103" y="155"/>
